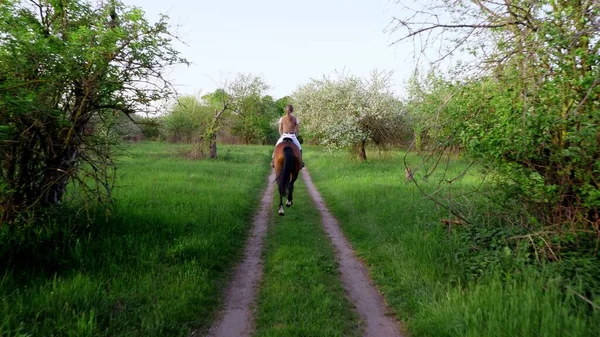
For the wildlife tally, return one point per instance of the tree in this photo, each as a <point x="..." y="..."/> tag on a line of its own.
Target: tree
<point x="281" y="103"/>
<point x="232" y="97"/>
<point x="124" y="127"/>
<point x="149" y="126"/>
<point x="254" y="120"/>
<point x="530" y="104"/>
<point x="270" y="114"/>
<point x="430" y="107"/>
<point x="186" y="119"/>
<point x="348" y="111"/>
<point x="67" y="67"/>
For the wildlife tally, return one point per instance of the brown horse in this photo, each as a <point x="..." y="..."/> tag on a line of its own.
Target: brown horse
<point x="288" y="162"/>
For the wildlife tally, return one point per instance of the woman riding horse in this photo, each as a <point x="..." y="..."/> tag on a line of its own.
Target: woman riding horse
<point x="287" y="157"/>
<point x="288" y="128"/>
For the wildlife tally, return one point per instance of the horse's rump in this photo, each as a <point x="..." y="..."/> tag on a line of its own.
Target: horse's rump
<point x="287" y="160"/>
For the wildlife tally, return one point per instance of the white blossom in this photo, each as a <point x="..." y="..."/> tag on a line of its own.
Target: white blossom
<point x="344" y="110"/>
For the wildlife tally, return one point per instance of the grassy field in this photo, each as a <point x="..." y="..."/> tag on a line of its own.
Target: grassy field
<point x="301" y="294"/>
<point x="436" y="281"/>
<point x="158" y="264"/>
<point x="157" y="267"/>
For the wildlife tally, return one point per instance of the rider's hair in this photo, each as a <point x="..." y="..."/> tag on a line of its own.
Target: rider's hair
<point x="290" y="108"/>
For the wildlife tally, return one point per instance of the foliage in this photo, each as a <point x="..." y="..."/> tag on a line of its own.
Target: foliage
<point x="531" y="112"/>
<point x="253" y="121"/>
<point x="187" y="118"/>
<point x="125" y="127"/>
<point x="348" y="111"/>
<point x="149" y="126"/>
<point x="281" y="103"/>
<point x="67" y="70"/>
<point x="234" y="97"/>
<point x="430" y="105"/>
<point x="237" y="109"/>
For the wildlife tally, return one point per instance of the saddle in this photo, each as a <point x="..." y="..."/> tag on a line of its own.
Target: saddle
<point x="289" y="141"/>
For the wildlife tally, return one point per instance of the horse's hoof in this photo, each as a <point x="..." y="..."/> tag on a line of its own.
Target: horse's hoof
<point x="281" y="214"/>
<point x="288" y="203"/>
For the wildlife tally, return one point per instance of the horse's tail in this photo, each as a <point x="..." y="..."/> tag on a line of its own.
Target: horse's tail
<point x="288" y="164"/>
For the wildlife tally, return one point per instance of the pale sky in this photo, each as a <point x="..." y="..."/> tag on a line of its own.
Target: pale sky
<point x="286" y="42"/>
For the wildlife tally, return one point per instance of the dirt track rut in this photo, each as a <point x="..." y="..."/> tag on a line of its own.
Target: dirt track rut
<point x="237" y="318"/>
<point x="369" y="303"/>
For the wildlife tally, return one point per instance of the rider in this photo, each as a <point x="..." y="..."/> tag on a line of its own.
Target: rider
<point x="288" y="128"/>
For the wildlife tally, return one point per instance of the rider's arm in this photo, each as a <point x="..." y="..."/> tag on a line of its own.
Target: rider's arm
<point x="297" y="127"/>
<point x="280" y="127"/>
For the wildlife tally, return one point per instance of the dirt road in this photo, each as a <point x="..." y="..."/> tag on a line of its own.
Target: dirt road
<point x="237" y="316"/>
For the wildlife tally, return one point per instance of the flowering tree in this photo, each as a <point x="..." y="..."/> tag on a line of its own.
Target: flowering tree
<point x="349" y="111"/>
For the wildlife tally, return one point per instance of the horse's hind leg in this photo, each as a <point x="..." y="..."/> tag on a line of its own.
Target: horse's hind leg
<point x="290" y="198"/>
<point x="281" y="205"/>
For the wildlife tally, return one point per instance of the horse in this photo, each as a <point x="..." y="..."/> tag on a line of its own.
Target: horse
<point x="287" y="160"/>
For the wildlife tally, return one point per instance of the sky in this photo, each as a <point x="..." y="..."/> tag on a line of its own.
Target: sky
<point x="285" y="42"/>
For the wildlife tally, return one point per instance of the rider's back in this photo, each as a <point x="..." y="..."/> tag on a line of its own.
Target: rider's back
<point x="289" y="123"/>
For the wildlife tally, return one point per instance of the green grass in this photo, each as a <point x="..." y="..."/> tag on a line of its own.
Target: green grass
<point x="301" y="294"/>
<point x="497" y="307"/>
<point x="426" y="273"/>
<point x="158" y="265"/>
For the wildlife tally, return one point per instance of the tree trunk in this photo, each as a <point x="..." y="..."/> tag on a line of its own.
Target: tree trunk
<point x="360" y="149"/>
<point x="57" y="173"/>
<point x="212" y="135"/>
<point x="213" y="146"/>
<point x="37" y="182"/>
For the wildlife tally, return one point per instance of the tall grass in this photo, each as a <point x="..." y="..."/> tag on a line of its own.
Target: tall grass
<point x="440" y="282"/>
<point x="156" y="266"/>
<point x="497" y="307"/>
